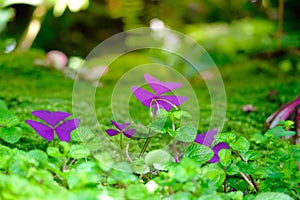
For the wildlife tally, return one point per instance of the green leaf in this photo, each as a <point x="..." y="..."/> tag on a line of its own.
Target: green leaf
<point x="227" y="137"/>
<point x="11" y="135"/>
<point x="186" y="170"/>
<point x="237" y="195"/>
<point x="241" y="144"/>
<point x="182" y="196"/>
<point x="273" y="196"/>
<point x="136" y="191"/>
<point x="179" y="114"/>
<point x="232" y="169"/>
<point x="158" y="125"/>
<point x="278" y="131"/>
<point x="186" y="134"/>
<point x="39" y="156"/>
<point x="250" y="168"/>
<point x="78" y="151"/>
<point x="54" y="152"/>
<point x="217" y="175"/>
<point x="238" y="184"/>
<point x="138" y="166"/>
<point x="82" y="134"/>
<point x="225" y="157"/>
<point x="7" y="118"/>
<point x="77" y="179"/>
<point x="250" y="155"/>
<point x="158" y="158"/>
<point x="199" y="153"/>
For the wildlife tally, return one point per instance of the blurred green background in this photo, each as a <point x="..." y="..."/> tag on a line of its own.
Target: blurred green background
<point x="229" y="30"/>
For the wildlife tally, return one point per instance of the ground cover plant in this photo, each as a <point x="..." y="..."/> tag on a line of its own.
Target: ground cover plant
<point x="243" y="161"/>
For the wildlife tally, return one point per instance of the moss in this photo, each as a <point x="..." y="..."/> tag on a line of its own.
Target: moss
<point x="26" y="87"/>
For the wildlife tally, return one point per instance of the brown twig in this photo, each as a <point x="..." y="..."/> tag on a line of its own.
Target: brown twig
<point x="248" y="181"/>
<point x="253" y="183"/>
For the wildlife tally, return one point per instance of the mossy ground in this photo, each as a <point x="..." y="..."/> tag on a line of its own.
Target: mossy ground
<point x="26" y="87"/>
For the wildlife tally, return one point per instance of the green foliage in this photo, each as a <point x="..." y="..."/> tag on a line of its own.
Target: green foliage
<point x="186" y="134"/>
<point x="159" y="159"/>
<point x="60" y="170"/>
<point x="272" y="196"/>
<point x="199" y="153"/>
<point x="225" y="157"/>
<point x="9" y="125"/>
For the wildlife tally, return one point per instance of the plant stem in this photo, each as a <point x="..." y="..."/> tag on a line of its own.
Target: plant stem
<point x="225" y="180"/>
<point x="121" y="146"/>
<point x="127" y="153"/>
<point x="253" y="183"/>
<point x="248" y="181"/>
<point x="175" y="144"/>
<point x="145" y="145"/>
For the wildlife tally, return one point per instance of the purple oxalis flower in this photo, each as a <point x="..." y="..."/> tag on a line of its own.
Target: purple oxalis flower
<point x="207" y="139"/>
<point x="62" y="130"/>
<point x="290" y="111"/>
<point x="121" y="129"/>
<point x="158" y="100"/>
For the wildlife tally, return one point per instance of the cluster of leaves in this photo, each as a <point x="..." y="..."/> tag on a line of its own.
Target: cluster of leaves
<point x="69" y="170"/>
<point x="10" y="130"/>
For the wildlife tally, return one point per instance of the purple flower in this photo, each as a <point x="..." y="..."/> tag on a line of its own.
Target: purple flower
<point x="121" y="129"/>
<point x="207" y="139"/>
<point x="53" y="119"/>
<point x="158" y="100"/>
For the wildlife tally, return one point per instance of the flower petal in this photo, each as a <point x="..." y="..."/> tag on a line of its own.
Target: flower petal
<point x="129" y="133"/>
<point x="51" y="118"/>
<point x="120" y="126"/>
<point x="112" y="132"/>
<point x="206" y="138"/>
<point x="143" y="95"/>
<point x="176" y="100"/>
<point x="216" y="149"/>
<point x="161" y="87"/>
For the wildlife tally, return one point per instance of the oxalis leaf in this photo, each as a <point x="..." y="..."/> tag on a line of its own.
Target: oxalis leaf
<point x="179" y="114"/>
<point x="82" y="134"/>
<point x="136" y="191"/>
<point x="213" y="173"/>
<point x="278" y="131"/>
<point x="273" y="196"/>
<point x="199" y="153"/>
<point x="7" y="118"/>
<point x="138" y="166"/>
<point x="159" y="159"/>
<point x="158" y="125"/>
<point x="225" y="157"/>
<point x="78" y="151"/>
<point x="186" y="134"/>
<point x="241" y="144"/>
<point x="11" y="135"/>
<point x="54" y="152"/>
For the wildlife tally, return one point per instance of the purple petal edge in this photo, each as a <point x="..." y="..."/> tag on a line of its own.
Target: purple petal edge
<point x="206" y="138"/>
<point x="216" y="149"/>
<point x="112" y="132"/>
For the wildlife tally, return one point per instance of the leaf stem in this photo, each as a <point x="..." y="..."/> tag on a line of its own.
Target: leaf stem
<point x="145" y="145"/>
<point x="127" y="153"/>
<point x="121" y="146"/>
<point x="175" y="144"/>
<point x="253" y="183"/>
<point x="225" y="180"/>
<point x="248" y="181"/>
